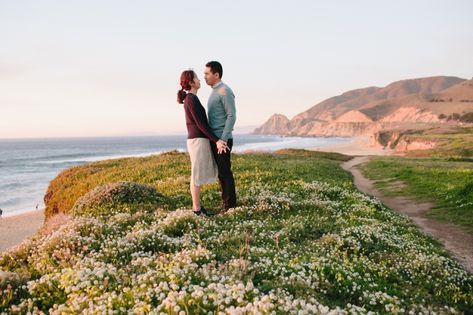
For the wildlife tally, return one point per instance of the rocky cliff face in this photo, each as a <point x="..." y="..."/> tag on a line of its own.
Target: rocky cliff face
<point x="401" y="141"/>
<point x="367" y="111"/>
<point x="276" y="125"/>
<point x="410" y="114"/>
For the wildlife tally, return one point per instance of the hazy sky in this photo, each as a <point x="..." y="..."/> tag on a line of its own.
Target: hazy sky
<point x="85" y="68"/>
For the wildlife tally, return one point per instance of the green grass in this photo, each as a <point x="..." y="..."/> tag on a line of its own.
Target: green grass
<point x="303" y="240"/>
<point x="170" y="174"/>
<point x="448" y="182"/>
<point x="456" y="143"/>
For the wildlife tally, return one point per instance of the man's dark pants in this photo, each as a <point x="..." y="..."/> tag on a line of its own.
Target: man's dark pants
<point x="225" y="175"/>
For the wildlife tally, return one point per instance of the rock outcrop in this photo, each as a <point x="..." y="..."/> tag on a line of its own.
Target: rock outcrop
<point x="276" y="125"/>
<point x="401" y="141"/>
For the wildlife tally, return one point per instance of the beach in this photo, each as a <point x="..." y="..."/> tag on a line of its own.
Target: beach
<point x="15" y="229"/>
<point x="358" y="146"/>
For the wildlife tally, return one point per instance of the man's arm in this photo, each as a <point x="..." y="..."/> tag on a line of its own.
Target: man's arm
<point x="228" y="100"/>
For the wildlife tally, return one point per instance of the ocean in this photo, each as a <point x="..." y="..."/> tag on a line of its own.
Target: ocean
<point x="28" y="165"/>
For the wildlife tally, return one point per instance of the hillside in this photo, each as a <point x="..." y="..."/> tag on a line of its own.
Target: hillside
<point x="427" y="102"/>
<point x="302" y="241"/>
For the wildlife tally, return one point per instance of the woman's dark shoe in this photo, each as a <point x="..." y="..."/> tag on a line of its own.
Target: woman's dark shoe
<point x="198" y="212"/>
<point x="203" y="211"/>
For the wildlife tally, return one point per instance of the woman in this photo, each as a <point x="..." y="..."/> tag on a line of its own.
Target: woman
<point x="204" y="169"/>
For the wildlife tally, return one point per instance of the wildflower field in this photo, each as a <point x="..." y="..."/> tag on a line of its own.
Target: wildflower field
<point x="302" y="241"/>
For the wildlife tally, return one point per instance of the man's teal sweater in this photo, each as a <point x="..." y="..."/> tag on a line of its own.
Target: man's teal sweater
<point x="221" y="111"/>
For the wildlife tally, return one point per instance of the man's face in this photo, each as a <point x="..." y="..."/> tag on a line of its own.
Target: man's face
<point x="210" y="78"/>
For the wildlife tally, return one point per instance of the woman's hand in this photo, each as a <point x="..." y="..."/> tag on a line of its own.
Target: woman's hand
<point x="222" y="146"/>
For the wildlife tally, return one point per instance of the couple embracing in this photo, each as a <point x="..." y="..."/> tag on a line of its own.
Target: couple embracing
<point x="209" y="140"/>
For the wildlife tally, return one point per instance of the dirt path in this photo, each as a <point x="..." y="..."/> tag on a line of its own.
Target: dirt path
<point x="458" y="242"/>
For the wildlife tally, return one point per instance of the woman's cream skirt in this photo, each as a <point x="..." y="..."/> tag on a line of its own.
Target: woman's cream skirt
<point x="204" y="168"/>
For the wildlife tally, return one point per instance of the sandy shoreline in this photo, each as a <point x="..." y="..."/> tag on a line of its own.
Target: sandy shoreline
<point x="359" y="146"/>
<point x="15" y="229"/>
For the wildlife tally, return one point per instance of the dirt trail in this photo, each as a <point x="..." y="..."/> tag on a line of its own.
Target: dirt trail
<point x="455" y="239"/>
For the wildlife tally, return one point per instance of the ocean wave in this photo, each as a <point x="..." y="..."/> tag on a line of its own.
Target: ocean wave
<point x="103" y="157"/>
<point x="5" y="186"/>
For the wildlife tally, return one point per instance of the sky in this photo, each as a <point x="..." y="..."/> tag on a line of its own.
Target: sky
<point x="111" y="68"/>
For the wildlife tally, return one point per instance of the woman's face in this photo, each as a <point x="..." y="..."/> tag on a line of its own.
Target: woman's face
<point x="196" y="83"/>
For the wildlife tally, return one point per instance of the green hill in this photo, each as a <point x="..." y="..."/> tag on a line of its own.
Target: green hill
<point x="302" y="239"/>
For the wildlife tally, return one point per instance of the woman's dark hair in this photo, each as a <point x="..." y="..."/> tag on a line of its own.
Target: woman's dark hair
<point x="186" y="78"/>
<point x="215" y="67"/>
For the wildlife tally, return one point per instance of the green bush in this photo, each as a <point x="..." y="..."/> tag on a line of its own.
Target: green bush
<point x="467" y="117"/>
<point x="123" y="196"/>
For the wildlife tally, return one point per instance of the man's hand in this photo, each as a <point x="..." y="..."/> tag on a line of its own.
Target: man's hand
<point x="222" y="147"/>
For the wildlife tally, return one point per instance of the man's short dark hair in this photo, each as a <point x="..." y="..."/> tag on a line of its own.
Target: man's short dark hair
<point x="215" y="67"/>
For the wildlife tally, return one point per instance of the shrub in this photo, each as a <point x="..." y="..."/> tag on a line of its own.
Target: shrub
<point x="122" y="196"/>
<point x="467" y="117"/>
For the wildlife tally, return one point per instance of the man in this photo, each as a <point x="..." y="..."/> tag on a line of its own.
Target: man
<point x="222" y="116"/>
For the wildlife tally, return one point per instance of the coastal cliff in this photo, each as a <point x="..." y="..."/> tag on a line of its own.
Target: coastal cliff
<point x="416" y="104"/>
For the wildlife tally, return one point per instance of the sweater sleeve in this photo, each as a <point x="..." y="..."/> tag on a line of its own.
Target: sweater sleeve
<point x="198" y="114"/>
<point x="228" y="100"/>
